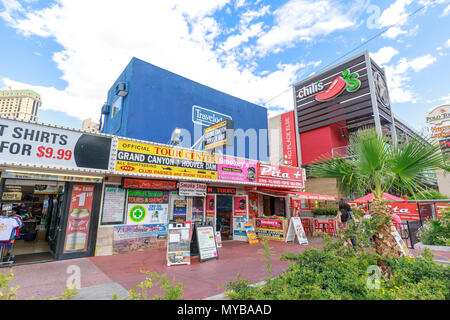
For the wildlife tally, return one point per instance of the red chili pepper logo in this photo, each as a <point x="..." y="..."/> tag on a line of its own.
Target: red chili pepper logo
<point x="336" y="87"/>
<point x="127" y="168"/>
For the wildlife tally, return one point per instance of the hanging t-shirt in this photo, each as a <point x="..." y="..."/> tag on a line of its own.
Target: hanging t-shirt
<point x="7" y="225"/>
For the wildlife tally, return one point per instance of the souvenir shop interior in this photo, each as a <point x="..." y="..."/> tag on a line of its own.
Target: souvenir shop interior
<point x="38" y="205"/>
<point x="224" y="216"/>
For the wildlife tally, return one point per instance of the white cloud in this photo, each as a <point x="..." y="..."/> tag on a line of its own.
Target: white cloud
<point x="447" y="43"/>
<point x="421" y="63"/>
<point x="445" y="12"/>
<point x="398" y="81"/>
<point x="176" y="35"/>
<point x="384" y="55"/>
<point x="302" y="20"/>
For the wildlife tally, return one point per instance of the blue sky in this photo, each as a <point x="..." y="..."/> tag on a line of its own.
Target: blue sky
<point x="71" y="51"/>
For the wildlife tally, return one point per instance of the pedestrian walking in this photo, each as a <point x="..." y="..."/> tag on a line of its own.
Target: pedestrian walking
<point x="344" y="216"/>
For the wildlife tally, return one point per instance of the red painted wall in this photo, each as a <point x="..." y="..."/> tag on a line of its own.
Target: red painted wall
<point x="317" y="142"/>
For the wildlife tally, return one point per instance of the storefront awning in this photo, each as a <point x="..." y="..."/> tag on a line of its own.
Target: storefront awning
<point x="300" y="195"/>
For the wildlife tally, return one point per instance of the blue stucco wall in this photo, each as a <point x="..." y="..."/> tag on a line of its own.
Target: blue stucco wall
<point x="159" y="101"/>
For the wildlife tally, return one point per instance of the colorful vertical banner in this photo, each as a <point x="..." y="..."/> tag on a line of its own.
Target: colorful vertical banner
<point x="289" y="139"/>
<point x="252" y="205"/>
<point x="211" y="206"/>
<point x="179" y="210"/>
<point x="240" y="206"/>
<point x="80" y="210"/>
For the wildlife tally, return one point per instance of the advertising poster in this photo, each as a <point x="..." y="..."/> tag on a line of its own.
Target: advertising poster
<point x="218" y="239"/>
<point x="401" y="244"/>
<point x="179" y="210"/>
<point x="240" y="206"/>
<point x="44" y="146"/>
<point x="280" y="176"/>
<point x="211" y="206"/>
<point x="147" y="207"/>
<point x="251" y="233"/>
<point x="206" y="243"/>
<point x="252" y="205"/>
<point x="139" y="237"/>
<point x="178" y="245"/>
<point x="146" y="158"/>
<point x="272" y="229"/>
<point x="80" y="210"/>
<point x="113" y="204"/>
<point x="239" y="228"/>
<point x="129" y="183"/>
<point x="234" y="169"/>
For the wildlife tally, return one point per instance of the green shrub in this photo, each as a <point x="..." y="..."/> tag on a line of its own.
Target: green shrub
<point x="436" y="232"/>
<point x="326" y="211"/>
<point x="172" y="290"/>
<point x="337" y="272"/>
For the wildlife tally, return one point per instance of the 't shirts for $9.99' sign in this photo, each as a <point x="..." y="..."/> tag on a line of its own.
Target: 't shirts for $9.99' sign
<point x="40" y="145"/>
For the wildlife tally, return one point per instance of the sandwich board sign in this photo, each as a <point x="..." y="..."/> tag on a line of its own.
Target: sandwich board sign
<point x="251" y="233"/>
<point x="204" y="242"/>
<point x="178" y="244"/>
<point x="296" y="230"/>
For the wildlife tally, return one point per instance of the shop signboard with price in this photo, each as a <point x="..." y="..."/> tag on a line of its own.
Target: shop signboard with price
<point x="46" y="146"/>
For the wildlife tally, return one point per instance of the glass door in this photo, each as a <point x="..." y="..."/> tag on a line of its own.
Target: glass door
<point x="77" y="229"/>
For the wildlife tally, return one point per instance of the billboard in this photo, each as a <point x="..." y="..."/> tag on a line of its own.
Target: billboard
<point x="280" y="176"/>
<point x="40" y="145"/>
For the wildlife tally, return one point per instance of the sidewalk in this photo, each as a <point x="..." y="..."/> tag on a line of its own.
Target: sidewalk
<point x="101" y="277"/>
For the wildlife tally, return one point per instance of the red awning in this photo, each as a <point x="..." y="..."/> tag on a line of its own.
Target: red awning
<point x="301" y="195"/>
<point x="386" y="196"/>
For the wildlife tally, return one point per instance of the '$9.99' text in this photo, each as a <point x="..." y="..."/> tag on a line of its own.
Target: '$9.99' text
<point x="48" y="152"/>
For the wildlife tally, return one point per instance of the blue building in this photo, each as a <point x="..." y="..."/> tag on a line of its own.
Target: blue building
<point x="149" y="103"/>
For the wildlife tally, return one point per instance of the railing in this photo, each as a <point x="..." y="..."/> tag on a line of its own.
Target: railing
<point x="340" y="151"/>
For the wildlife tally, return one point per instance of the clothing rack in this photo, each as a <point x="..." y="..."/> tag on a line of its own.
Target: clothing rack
<point x="4" y="259"/>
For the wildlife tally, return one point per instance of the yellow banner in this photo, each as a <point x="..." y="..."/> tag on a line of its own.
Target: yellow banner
<point x="135" y="157"/>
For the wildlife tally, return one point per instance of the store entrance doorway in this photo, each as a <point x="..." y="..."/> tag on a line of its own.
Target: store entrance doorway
<point x="224" y="217"/>
<point x="38" y="204"/>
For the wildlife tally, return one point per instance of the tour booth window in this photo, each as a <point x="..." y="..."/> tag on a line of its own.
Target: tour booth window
<point x="59" y="217"/>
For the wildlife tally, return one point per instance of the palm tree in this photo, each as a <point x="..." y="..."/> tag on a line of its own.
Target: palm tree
<point x="374" y="164"/>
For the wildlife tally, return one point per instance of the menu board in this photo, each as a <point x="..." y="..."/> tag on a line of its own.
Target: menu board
<point x="206" y="241"/>
<point x="113" y="205"/>
<point x="178" y="244"/>
<point x="296" y="230"/>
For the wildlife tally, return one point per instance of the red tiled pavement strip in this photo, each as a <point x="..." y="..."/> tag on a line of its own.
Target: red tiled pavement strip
<point x="201" y="280"/>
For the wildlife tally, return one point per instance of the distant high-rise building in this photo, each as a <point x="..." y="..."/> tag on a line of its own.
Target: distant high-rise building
<point x="89" y="125"/>
<point x="21" y="104"/>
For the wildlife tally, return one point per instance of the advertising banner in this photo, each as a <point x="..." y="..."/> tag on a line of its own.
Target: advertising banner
<point x="139" y="237"/>
<point x="80" y="210"/>
<point x="178" y="245"/>
<point x="289" y="139"/>
<point x="146" y="158"/>
<point x="219" y="135"/>
<point x="113" y="204"/>
<point x="280" y="176"/>
<point x="211" y="206"/>
<point x="147" y="207"/>
<point x="129" y="183"/>
<point x="272" y="229"/>
<point x="192" y="189"/>
<point x="234" y="169"/>
<point x="220" y="190"/>
<point x="240" y="206"/>
<point x="406" y="211"/>
<point x="45" y="146"/>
